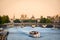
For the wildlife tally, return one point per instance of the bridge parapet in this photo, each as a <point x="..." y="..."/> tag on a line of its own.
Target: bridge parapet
<point x="30" y="24"/>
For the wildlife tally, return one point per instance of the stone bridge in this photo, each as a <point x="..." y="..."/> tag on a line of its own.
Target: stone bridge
<point x="55" y="25"/>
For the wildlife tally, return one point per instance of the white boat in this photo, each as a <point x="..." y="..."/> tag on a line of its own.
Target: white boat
<point x="34" y="34"/>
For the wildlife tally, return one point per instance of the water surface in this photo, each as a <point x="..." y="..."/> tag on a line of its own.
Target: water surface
<point x="18" y="33"/>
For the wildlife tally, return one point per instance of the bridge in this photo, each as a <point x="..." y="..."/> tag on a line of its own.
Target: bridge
<point x="55" y="25"/>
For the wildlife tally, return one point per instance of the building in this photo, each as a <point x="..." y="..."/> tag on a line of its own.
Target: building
<point x="23" y="17"/>
<point x="49" y="17"/>
<point x="57" y="19"/>
<point x="33" y="18"/>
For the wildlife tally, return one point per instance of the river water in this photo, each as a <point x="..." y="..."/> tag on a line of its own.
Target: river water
<point x="18" y="33"/>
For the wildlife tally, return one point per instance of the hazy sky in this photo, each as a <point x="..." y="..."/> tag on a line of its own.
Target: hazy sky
<point x="29" y="7"/>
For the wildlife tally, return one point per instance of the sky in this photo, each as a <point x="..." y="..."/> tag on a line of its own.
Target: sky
<point x="30" y="7"/>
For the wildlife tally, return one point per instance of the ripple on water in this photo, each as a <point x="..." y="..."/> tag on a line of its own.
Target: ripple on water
<point x="18" y="33"/>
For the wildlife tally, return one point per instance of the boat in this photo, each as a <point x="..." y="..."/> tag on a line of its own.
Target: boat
<point x="34" y="34"/>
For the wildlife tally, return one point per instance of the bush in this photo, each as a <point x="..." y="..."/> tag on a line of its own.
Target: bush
<point x="17" y="21"/>
<point x="29" y="20"/>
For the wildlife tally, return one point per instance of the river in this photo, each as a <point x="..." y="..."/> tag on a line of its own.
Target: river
<point x="18" y="33"/>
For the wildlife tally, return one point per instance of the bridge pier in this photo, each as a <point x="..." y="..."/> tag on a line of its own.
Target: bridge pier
<point x="44" y="26"/>
<point x="33" y="26"/>
<point x="54" y="26"/>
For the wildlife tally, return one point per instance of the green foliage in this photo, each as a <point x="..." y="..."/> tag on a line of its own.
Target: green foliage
<point x="48" y="21"/>
<point x="17" y="21"/>
<point x="29" y="20"/>
<point x="32" y="21"/>
<point x="25" y="20"/>
<point x="0" y="20"/>
<point x="4" y="19"/>
<point x="45" y="20"/>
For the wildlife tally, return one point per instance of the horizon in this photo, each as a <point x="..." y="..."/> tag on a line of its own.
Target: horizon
<point x="34" y="8"/>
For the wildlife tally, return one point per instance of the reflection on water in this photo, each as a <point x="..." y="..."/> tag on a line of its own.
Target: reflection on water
<point x="17" y="33"/>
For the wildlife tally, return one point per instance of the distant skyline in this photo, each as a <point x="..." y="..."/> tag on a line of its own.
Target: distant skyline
<point x="36" y="8"/>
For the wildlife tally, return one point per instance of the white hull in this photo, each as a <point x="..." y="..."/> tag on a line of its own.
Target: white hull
<point x="35" y="35"/>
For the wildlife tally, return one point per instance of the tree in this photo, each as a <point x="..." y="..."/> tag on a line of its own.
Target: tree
<point x="29" y="20"/>
<point x="5" y="19"/>
<point x="48" y="21"/>
<point x="0" y="20"/>
<point x="17" y="21"/>
<point x="43" y="20"/>
<point x="59" y="19"/>
<point x="25" y="20"/>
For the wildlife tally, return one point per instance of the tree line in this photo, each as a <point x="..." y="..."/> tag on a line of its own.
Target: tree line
<point x="5" y="19"/>
<point x="42" y="20"/>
